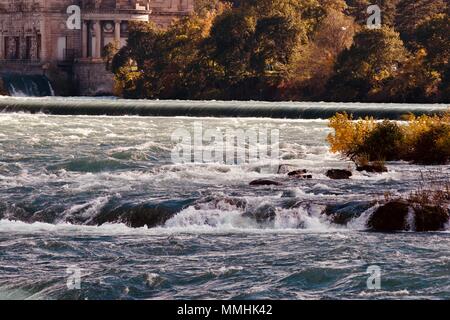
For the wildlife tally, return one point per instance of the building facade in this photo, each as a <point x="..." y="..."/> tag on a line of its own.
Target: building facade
<point x="35" y="37"/>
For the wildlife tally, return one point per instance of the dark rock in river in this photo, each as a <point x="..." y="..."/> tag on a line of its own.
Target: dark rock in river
<point x="147" y="214"/>
<point x="390" y="217"/>
<point x="430" y="218"/>
<point x="343" y="213"/>
<point x="301" y="174"/>
<point x="216" y="203"/>
<point x="262" y="214"/>
<point x="297" y="172"/>
<point x="34" y="212"/>
<point x="286" y="168"/>
<point x="338" y="174"/>
<point x="264" y="182"/>
<point x="372" y="168"/>
<point x="393" y="216"/>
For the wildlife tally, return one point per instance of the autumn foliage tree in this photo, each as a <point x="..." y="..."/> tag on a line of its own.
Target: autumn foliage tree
<point x="291" y="50"/>
<point x="364" y="68"/>
<point x="411" y="14"/>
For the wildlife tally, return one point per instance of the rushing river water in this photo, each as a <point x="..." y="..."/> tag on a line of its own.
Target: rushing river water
<point x="71" y="186"/>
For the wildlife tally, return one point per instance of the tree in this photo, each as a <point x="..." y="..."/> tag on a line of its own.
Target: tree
<point x="358" y="10"/>
<point x="445" y="86"/>
<point x="161" y="59"/>
<point x="414" y="82"/>
<point x="433" y="35"/>
<point x="388" y="11"/>
<point x="314" y="64"/>
<point x="275" y="41"/>
<point x="108" y="53"/>
<point x="411" y="14"/>
<point x="305" y="13"/>
<point x="128" y="63"/>
<point x="231" y="42"/>
<point x="362" y="70"/>
<point x="288" y="49"/>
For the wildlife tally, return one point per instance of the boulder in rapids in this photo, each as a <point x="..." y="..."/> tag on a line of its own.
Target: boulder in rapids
<point x="301" y="174"/>
<point x="265" y="182"/>
<point x="430" y="218"/>
<point x="373" y="168"/>
<point x="147" y="214"/>
<point x="217" y="203"/>
<point x="395" y="216"/>
<point x="343" y="213"/>
<point x="338" y="174"/>
<point x="390" y="217"/>
<point x="262" y="214"/>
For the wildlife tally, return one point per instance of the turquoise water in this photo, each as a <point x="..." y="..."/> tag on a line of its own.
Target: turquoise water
<point x="75" y="191"/>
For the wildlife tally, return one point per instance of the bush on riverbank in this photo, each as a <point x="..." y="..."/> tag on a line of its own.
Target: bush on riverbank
<point x="423" y="140"/>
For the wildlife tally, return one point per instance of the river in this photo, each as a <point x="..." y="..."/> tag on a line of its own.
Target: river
<point x="71" y="184"/>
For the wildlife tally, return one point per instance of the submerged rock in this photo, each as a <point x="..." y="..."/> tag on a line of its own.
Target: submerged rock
<point x="297" y="172"/>
<point x="217" y="203"/>
<point x="265" y="213"/>
<point x="338" y="174"/>
<point x="147" y="214"/>
<point x="301" y="174"/>
<point x="372" y="168"/>
<point x="403" y="216"/>
<point x="289" y="194"/>
<point x="343" y="213"/>
<point x="264" y="182"/>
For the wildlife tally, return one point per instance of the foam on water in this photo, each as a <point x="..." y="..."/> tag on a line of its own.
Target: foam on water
<point x="117" y="159"/>
<point x="71" y="186"/>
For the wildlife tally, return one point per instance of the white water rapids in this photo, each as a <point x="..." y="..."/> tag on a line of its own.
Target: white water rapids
<point x="75" y="191"/>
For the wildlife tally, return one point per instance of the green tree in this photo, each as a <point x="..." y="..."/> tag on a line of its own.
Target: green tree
<point x="161" y="59"/>
<point x="305" y="13"/>
<point x="231" y="43"/>
<point x="275" y="41"/>
<point x="362" y="70"/>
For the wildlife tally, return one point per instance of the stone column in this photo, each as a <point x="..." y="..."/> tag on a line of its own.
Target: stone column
<point x="117" y="34"/>
<point x="84" y="39"/>
<point x="44" y="50"/>
<point x="2" y="47"/>
<point x="98" y="40"/>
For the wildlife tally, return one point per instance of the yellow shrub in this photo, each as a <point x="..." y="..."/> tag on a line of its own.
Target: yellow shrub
<point x="348" y="133"/>
<point x="418" y="125"/>
<point x="424" y="139"/>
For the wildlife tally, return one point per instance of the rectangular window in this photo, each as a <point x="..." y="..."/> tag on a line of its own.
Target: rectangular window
<point x="61" y="48"/>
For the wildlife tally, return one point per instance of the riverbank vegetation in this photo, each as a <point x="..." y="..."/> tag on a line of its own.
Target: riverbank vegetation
<point x="422" y="140"/>
<point x="291" y="50"/>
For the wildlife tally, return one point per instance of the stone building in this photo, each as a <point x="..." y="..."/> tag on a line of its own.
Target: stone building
<point x="35" y="38"/>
